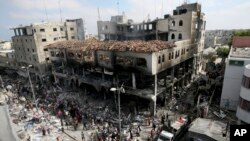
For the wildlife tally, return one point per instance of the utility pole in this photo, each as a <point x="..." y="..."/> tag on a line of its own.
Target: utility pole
<point x="1" y="81"/>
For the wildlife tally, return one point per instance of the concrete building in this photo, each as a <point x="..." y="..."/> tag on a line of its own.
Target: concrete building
<point x="186" y="23"/>
<point x="238" y="58"/>
<point x="146" y="68"/>
<point x="29" y="41"/>
<point x="243" y="110"/>
<point x="7" y="56"/>
<point x="151" y="70"/>
<point x="202" y="129"/>
<point x="217" y="37"/>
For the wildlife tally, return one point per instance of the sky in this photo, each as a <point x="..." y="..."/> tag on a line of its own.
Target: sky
<point x="220" y="14"/>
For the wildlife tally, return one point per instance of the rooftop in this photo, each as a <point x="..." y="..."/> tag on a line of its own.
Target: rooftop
<point x="241" y="41"/>
<point x="211" y="128"/>
<point x="240" y="52"/>
<point x="132" y="45"/>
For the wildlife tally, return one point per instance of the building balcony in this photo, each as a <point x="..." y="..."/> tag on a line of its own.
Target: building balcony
<point x="243" y="115"/>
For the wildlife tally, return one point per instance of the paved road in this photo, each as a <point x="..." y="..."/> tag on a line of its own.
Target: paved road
<point x="6" y="133"/>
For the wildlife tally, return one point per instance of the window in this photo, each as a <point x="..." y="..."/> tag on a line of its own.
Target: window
<point x="173" y="23"/>
<point x="172" y="36"/>
<point x="159" y="59"/>
<point x="71" y="28"/>
<point x="246" y="82"/>
<point x="106" y="27"/>
<point x="52" y="53"/>
<point x="163" y="58"/>
<point x="54" y="29"/>
<point x="180" y="23"/>
<point x="150" y="26"/>
<point x="236" y="62"/>
<point x="180" y="36"/>
<point x="244" y="104"/>
<point x="42" y="30"/>
<point x="124" y="60"/>
<point x="141" y="62"/>
<point x="172" y="55"/>
<point x="55" y="38"/>
<point x="26" y="40"/>
<point x="169" y="57"/>
<point x="28" y="49"/>
<point x="34" y="30"/>
<point x="72" y="37"/>
<point x="30" y="58"/>
<point x="35" y="59"/>
<point x="44" y="40"/>
<point x="61" y="29"/>
<point x="30" y="40"/>
<point x="33" y="50"/>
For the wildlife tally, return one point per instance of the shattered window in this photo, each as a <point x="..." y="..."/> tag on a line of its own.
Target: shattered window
<point x="124" y="60"/>
<point x="71" y="54"/>
<point x="52" y="53"/>
<point x="169" y="57"/>
<point x="104" y="57"/>
<point x="141" y="62"/>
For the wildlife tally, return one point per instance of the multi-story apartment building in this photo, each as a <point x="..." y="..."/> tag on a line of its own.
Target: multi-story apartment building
<point x="29" y="41"/>
<point x="243" y="108"/>
<point x="236" y="62"/>
<point x="150" y="70"/>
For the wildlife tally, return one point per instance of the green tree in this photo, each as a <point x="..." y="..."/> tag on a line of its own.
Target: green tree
<point x="223" y="53"/>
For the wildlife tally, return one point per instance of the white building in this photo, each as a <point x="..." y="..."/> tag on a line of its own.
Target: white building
<point x="5" y="45"/>
<point x="238" y="58"/>
<point x="243" y="110"/>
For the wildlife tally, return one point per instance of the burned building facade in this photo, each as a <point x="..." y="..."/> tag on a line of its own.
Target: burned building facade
<point x="149" y="69"/>
<point x="186" y="23"/>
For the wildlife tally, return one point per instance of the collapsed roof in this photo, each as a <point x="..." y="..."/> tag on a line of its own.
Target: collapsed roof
<point x="132" y="45"/>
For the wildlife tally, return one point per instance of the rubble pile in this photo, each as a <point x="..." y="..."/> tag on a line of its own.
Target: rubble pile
<point x="133" y="45"/>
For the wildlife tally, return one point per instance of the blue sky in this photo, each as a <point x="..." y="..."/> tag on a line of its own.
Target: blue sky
<point x="220" y="14"/>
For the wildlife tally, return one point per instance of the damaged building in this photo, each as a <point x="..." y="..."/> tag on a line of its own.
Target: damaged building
<point x="29" y="41"/>
<point x="149" y="69"/>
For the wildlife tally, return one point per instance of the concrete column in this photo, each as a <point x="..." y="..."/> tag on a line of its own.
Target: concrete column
<point x="172" y="75"/>
<point x="133" y="80"/>
<point x="18" y="30"/>
<point x="103" y="75"/>
<point x="155" y="94"/>
<point x="83" y="72"/>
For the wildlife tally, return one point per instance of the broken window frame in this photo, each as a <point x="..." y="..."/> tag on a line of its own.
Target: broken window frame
<point x="141" y="62"/>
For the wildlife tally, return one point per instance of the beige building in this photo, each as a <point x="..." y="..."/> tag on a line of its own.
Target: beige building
<point x="29" y="41"/>
<point x="186" y="23"/>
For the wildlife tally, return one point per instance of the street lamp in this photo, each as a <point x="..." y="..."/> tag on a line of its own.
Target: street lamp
<point x="34" y="97"/>
<point x="119" y="90"/>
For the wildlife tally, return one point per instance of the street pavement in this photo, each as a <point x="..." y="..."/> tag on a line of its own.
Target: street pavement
<point x="6" y="132"/>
